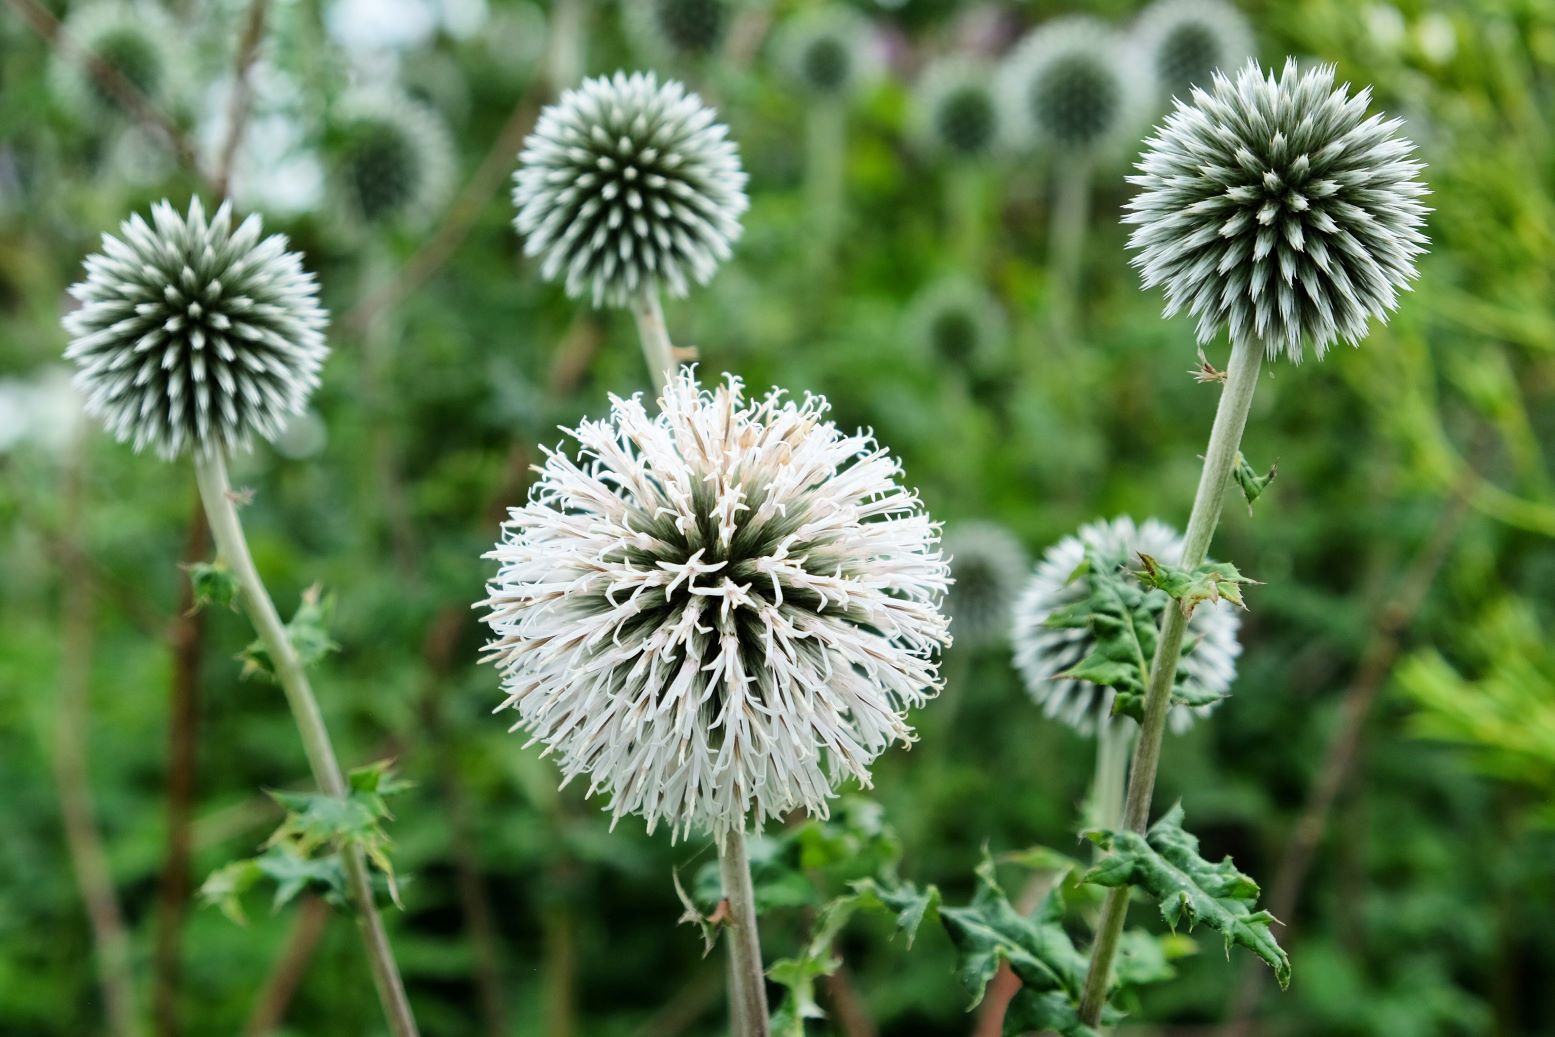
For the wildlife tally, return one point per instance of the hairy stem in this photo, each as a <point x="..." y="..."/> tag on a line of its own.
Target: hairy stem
<point x="221" y="511"/>
<point x="747" y="979"/>
<point x="657" y="349"/>
<point x="1225" y="439"/>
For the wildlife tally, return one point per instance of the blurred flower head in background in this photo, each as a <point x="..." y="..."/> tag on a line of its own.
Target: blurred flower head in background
<point x="1187" y="41"/>
<point x="827" y="51"/>
<point x="1279" y="210"/>
<point x="138" y="40"/>
<point x="987" y="567"/>
<point x="191" y="333"/>
<point x="628" y="185"/>
<point x="1044" y="653"/>
<point x="955" y="112"/>
<point x="677" y="29"/>
<point x="718" y="612"/>
<point x="393" y="160"/>
<point x="958" y="322"/>
<point x="1069" y="89"/>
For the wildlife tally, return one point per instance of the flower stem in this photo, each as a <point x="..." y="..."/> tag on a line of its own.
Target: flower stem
<point x="655" y="336"/>
<point x="966" y="204"/>
<point x="211" y="473"/>
<point x="747" y="979"/>
<point x="826" y="146"/>
<point x="1224" y="440"/>
<point x="1067" y="225"/>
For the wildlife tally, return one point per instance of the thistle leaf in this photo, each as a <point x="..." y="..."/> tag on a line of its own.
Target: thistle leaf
<point x="308" y="632"/>
<point x="1209" y="581"/>
<point x="1250" y="482"/>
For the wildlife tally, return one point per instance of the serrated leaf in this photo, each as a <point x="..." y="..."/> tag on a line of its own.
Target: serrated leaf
<point x="907" y="901"/>
<point x="308" y="632"/>
<point x="1208" y="582"/>
<point x="1165" y="863"/>
<point x="1047" y="1012"/>
<point x="213" y="584"/>
<point x="1250" y="482"/>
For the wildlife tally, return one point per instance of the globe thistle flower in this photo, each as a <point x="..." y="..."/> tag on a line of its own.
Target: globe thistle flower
<point x="1185" y="41"/>
<point x="1068" y="88"/>
<point x="394" y="159"/>
<point x="193" y="333"/>
<point x="955" y="111"/>
<point x="958" y="322"/>
<point x="627" y="185"/>
<point x="677" y="28"/>
<point x="827" y="52"/>
<point x="1043" y="653"/>
<point x="1279" y="210"/>
<point x="137" y="39"/>
<point x="719" y="612"/>
<point x="987" y="565"/>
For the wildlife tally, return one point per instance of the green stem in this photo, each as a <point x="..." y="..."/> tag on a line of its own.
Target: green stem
<point x="1067" y="224"/>
<point x="655" y="336"/>
<point x="747" y="979"/>
<point x="965" y="193"/>
<point x="1224" y="441"/>
<point x="211" y="473"/>
<point x="826" y="147"/>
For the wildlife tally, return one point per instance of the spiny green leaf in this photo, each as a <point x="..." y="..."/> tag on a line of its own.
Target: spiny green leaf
<point x="1209" y="581"/>
<point x="1046" y="1012"/>
<point x="308" y="632"/>
<point x="1250" y="482"/>
<point x="1165" y="863"/>
<point x="213" y="584"/>
<point x="909" y="902"/>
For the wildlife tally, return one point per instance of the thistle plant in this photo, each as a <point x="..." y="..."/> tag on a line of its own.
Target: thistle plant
<point x="716" y="614"/>
<point x="958" y="323"/>
<point x="1071" y="96"/>
<point x="1186" y="41"/>
<point x="986" y="565"/>
<point x="138" y="40"/>
<point x="957" y="119"/>
<point x="628" y="186"/>
<point x="393" y="163"/>
<point x="194" y="336"/>
<point x="680" y="30"/>
<point x="1278" y="210"/>
<point x="828" y="55"/>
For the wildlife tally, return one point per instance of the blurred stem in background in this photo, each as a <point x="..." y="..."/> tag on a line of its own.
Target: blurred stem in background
<point x="221" y="511"/>
<point x="1114" y="739"/>
<point x="564" y="60"/>
<point x="1225" y="439"/>
<point x="826" y="145"/>
<point x="966" y="203"/>
<point x="378" y="339"/>
<point x="87" y="854"/>
<point x="1068" y="220"/>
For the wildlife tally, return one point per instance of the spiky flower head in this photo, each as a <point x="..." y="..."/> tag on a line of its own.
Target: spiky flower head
<point x="957" y="322"/>
<point x="1278" y="209"/>
<point x="393" y="161"/>
<point x="677" y="28"/>
<point x="718" y="612"/>
<point x="1068" y="88"/>
<point x="1185" y="41"/>
<point x="956" y="111"/>
<point x="136" y="39"/>
<point x="987" y="567"/>
<point x="827" y="51"/>
<point x="191" y="332"/>
<point x="1044" y="653"/>
<point x="628" y="184"/>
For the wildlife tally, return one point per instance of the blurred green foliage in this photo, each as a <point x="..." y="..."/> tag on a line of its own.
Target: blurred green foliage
<point x="1429" y="907"/>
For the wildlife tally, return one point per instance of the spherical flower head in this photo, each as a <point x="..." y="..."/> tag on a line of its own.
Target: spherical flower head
<point x="828" y="51"/>
<point x="627" y="185"/>
<point x="1186" y="41"/>
<point x="394" y="159"/>
<point x="1043" y="653"/>
<point x="1068" y="88"/>
<point x="677" y="28"/>
<point x="987" y="566"/>
<point x="718" y="612"/>
<point x="956" y="112"/>
<point x="1278" y="209"/>
<point x="136" y="39"/>
<point x="957" y="322"/>
<point x="193" y="333"/>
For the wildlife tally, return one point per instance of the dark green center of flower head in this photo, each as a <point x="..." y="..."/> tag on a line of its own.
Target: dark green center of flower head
<point x="954" y="334"/>
<point x="1076" y="100"/>
<point x="382" y="169"/>
<point x="136" y="59"/>
<point x="965" y="121"/>
<point x="691" y="26"/>
<point x="827" y="64"/>
<point x="1187" y="57"/>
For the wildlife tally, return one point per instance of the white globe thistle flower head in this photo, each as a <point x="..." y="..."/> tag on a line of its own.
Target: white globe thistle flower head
<point x="1069" y="88"/>
<point x="677" y="29"/>
<point x="957" y="322"/>
<point x="719" y="612"/>
<point x="628" y="185"/>
<point x="137" y="39"/>
<point x="1043" y="654"/>
<point x="194" y="333"/>
<point x="393" y="163"/>
<point x="956" y="112"/>
<point x="987" y="568"/>
<point x="1279" y="210"/>
<point x="828" y="51"/>
<point x="1186" y="41"/>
